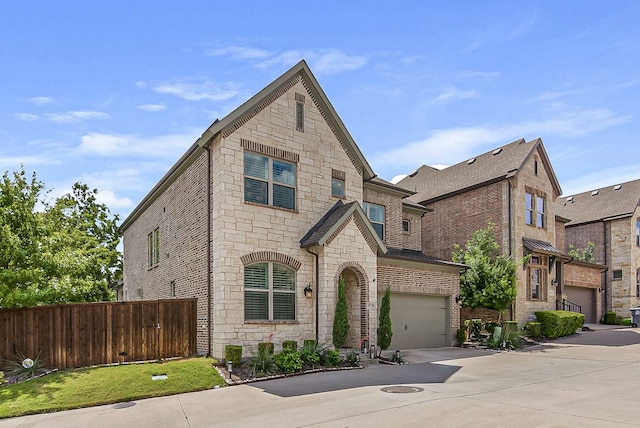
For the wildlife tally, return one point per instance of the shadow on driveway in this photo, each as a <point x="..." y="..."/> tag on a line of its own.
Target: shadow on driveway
<point x="374" y="375"/>
<point x="622" y="337"/>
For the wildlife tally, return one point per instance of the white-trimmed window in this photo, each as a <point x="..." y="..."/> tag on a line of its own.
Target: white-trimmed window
<point x="376" y="216"/>
<point x="537" y="278"/>
<point x="269" y="292"/>
<point x="153" y="248"/>
<point x="534" y="210"/>
<point x="406" y="226"/>
<point x="269" y="181"/>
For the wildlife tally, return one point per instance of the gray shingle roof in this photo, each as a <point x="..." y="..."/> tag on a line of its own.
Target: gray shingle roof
<point x="417" y="256"/>
<point x="494" y="165"/>
<point x="599" y="204"/>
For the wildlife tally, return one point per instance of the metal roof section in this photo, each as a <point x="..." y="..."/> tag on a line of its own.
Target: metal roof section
<point x="543" y="247"/>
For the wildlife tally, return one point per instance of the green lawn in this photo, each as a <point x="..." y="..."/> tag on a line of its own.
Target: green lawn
<point x="72" y="389"/>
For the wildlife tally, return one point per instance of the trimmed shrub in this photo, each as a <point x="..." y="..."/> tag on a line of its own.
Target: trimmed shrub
<point x="610" y="318"/>
<point x="559" y="323"/>
<point x="533" y="329"/>
<point x="461" y="335"/>
<point x="265" y="347"/>
<point x="233" y="353"/>
<point x="341" y="317"/>
<point x="626" y="321"/>
<point x="290" y="345"/>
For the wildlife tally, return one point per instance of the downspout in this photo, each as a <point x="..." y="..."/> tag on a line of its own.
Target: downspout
<point x="209" y="283"/>
<point x="317" y="293"/>
<point x="509" y="239"/>
<point x="606" y="271"/>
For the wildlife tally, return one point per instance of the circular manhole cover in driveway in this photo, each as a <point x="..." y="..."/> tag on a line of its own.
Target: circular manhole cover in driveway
<point x="400" y="389"/>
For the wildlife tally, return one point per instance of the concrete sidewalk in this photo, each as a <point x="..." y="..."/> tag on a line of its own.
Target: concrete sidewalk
<point x="588" y="380"/>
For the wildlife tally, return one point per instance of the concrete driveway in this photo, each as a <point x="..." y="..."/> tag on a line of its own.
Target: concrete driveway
<point x="592" y="379"/>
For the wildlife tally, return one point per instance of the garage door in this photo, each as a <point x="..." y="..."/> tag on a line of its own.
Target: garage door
<point x="418" y="321"/>
<point x="586" y="298"/>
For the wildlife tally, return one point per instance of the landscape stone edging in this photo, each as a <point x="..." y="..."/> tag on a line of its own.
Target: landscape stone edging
<point x="224" y="374"/>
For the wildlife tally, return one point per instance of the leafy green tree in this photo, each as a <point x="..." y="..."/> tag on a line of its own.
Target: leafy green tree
<point x="341" y="318"/>
<point x="385" y="332"/>
<point x="490" y="281"/>
<point x="582" y="254"/>
<point x="54" y="253"/>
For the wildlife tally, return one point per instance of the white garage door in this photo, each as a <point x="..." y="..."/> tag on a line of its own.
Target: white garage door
<point x="586" y="298"/>
<point x="418" y="321"/>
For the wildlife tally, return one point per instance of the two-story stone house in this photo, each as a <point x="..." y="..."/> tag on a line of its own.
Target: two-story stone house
<point x="515" y="188"/>
<point x="266" y="211"/>
<point x="609" y="217"/>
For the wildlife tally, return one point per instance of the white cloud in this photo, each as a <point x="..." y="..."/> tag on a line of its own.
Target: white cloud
<point x="330" y="61"/>
<point x="76" y="116"/>
<point x="197" y="89"/>
<point x="238" y="52"/>
<point x="397" y="178"/>
<point x="600" y="179"/>
<point x="450" y="146"/>
<point x="453" y="94"/>
<point x="41" y="100"/>
<point x="27" y="116"/>
<point x="169" y="146"/>
<point x="14" y="162"/>
<point x="152" y="107"/>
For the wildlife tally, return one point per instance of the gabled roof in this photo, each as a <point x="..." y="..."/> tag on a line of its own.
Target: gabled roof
<point x="239" y="116"/>
<point x="605" y="203"/>
<point x="493" y="166"/>
<point x="324" y="230"/>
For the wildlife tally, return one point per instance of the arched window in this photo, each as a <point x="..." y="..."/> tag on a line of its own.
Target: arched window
<point x="269" y="292"/>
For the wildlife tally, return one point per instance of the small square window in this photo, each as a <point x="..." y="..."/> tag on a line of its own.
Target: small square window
<point x="406" y="226"/>
<point x="617" y="274"/>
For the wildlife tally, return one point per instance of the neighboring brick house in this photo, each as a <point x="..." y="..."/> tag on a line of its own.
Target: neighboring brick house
<point x="515" y="188"/>
<point x="266" y="211"/>
<point x="610" y="218"/>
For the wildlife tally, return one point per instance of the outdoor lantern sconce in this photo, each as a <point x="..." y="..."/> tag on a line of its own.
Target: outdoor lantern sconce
<point x="308" y="292"/>
<point x="459" y="300"/>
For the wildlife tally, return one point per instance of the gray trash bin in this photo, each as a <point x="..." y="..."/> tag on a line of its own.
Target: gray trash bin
<point x="635" y="317"/>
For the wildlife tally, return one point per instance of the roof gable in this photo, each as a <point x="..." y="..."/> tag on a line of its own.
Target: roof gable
<point x="325" y="230"/>
<point x="600" y="204"/>
<point x="492" y="166"/>
<point x="298" y="73"/>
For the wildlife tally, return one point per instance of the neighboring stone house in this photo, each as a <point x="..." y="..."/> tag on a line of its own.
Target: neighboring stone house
<point x="266" y="211"/>
<point x="610" y="218"/>
<point x="515" y="188"/>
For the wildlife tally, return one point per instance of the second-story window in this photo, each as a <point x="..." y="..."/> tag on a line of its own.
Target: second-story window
<point x="534" y="210"/>
<point x="153" y="248"/>
<point x="375" y="213"/>
<point x="638" y="233"/>
<point x="269" y="181"/>
<point x="406" y="226"/>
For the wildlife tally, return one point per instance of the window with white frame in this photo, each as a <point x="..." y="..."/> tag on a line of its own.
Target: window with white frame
<point x="269" y="292"/>
<point x="406" y="226"/>
<point x="534" y="209"/>
<point x="153" y="248"/>
<point x="376" y="216"/>
<point x="537" y="278"/>
<point x="269" y="181"/>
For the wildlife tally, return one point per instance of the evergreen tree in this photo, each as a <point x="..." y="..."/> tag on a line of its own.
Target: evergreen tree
<point x="341" y="319"/>
<point x="385" y="331"/>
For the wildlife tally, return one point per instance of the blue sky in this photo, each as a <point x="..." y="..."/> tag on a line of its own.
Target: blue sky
<point x="112" y="93"/>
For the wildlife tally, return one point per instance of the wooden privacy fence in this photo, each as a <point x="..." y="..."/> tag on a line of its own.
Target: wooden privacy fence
<point x="87" y="334"/>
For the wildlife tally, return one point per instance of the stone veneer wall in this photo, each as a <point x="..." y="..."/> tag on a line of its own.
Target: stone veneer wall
<point x="407" y="277"/>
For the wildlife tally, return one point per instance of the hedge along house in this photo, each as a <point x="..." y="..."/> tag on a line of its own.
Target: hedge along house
<point x="265" y="212"/>
<point x="610" y="218"/>
<point x="514" y="187"/>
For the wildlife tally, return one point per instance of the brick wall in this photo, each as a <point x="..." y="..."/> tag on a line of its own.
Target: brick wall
<point x="453" y="220"/>
<point x="181" y="215"/>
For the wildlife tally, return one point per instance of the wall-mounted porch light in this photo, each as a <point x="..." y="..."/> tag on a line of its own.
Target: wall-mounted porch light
<point x="459" y="300"/>
<point x="308" y="292"/>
